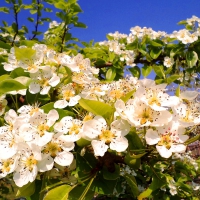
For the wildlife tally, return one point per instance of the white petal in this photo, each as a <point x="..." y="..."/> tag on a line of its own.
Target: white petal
<point x="54" y="80"/>
<point x="163" y="151"/>
<point x="46" y="163"/>
<point x="52" y="116"/>
<point x="34" y="88"/>
<point x="152" y="137"/>
<point x="119" y="144"/>
<point x="64" y="158"/>
<point x="45" y="90"/>
<point x="189" y="95"/>
<point x="74" y="100"/>
<point x="178" y="148"/>
<point x="61" y="104"/>
<point x="99" y="147"/>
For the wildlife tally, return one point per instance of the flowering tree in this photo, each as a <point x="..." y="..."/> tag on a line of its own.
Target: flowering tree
<point x="74" y="125"/>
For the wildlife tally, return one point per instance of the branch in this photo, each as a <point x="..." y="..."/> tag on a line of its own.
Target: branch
<point x="37" y="20"/>
<point x="17" y="24"/>
<point x="63" y="38"/>
<point x="105" y="65"/>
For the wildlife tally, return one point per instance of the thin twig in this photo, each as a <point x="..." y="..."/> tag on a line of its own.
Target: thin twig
<point x="63" y="38"/>
<point x="37" y="19"/>
<point x="17" y="24"/>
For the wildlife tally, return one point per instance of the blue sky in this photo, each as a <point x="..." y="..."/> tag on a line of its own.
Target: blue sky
<point x="105" y="16"/>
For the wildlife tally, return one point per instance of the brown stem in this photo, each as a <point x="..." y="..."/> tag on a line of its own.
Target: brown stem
<point x="37" y="19"/>
<point x="63" y="39"/>
<point x="17" y="24"/>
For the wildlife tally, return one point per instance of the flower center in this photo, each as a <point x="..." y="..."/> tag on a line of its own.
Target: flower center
<point x="117" y="94"/>
<point x="75" y="128"/>
<point x="52" y="148"/>
<point x="106" y="136"/>
<point x="146" y="116"/>
<point x="31" y="67"/>
<point x="30" y="162"/>
<point x="188" y="117"/>
<point x="154" y="100"/>
<point x="34" y="110"/>
<point x="6" y="165"/>
<point x="44" y="82"/>
<point x="165" y="140"/>
<point x="87" y="118"/>
<point x="42" y="128"/>
<point x="68" y="94"/>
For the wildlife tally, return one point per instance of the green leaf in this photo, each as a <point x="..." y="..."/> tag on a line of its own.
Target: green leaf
<point x="80" y="25"/>
<point x="58" y="193"/>
<point x="36" y="194"/>
<point x="156" y="183"/>
<point x="30" y="19"/>
<point x="77" y="191"/>
<point x="28" y="43"/>
<point x="159" y="70"/>
<point x="133" y="45"/>
<point x="24" y="53"/>
<point x="133" y="162"/>
<point x="176" y="50"/>
<point x="96" y="107"/>
<point x="111" y="56"/>
<point x="4" y="9"/>
<point x="10" y="85"/>
<point x="26" y="190"/>
<point x="102" y="186"/>
<point x="132" y="184"/>
<point x="146" y="70"/>
<point x="182" y="22"/>
<point x="109" y="37"/>
<point x="155" y="52"/>
<point x="178" y="91"/>
<point x="135" y="71"/>
<point x="18" y="72"/>
<point x="23" y="80"/>
<point x="5" y="45"/>
<point x="110" y="74"/>
<point x="4" y="77"/>
<point x="189" y="27"/>
<point x="134" y="141"/>
<point x="172" y="78"/>
<point x="33" y="11"/>
<point x="48" y="10"/>
<point x="192" y="58"/>
<point x="127" y="96"/>
<point x="156" y="43"/>
<point x="111" y="175"/>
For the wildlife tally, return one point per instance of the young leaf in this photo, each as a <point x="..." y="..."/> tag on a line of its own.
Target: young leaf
<point x="146" y="70"/>
<point x="192" y="58"/>
<point x="132" y="183"/>
<point x="26" y="190"/>
<point x="110" y="74"/>
<point x="24" y="53"/>
<point x="135" y="71"/>
<point x="172" y="78"/>
<point x="155" y="52"/>
<point x="96" y="107"/>
<point x="155" y="184"/>
<point x="60" y="192"/>
<point x="10" y="85"/>
<point x="159" y="71"/>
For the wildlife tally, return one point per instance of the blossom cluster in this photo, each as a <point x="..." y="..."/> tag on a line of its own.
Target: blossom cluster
<point x="31" y="141"/>
<point x="118" y="42"/>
